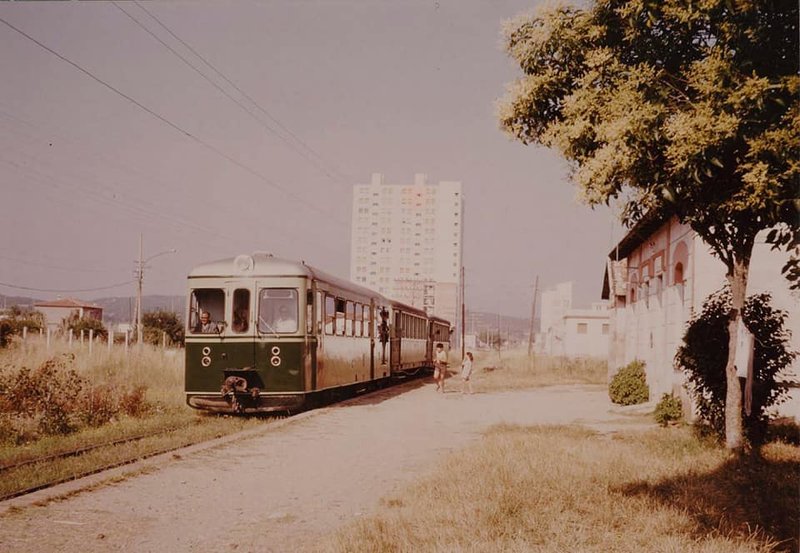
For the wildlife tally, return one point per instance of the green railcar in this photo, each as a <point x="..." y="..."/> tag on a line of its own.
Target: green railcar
<point x="267" y="334"/>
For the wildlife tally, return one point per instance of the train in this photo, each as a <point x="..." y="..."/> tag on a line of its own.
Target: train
<point x="265" y="334"/>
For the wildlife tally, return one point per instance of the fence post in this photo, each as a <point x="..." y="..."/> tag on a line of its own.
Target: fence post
<point x="127" y="335"/>
<point x="82" y="331"/>
<point x="71" y="332"/>
<point x="163" y="340"/>
<point x="24" y="333"/>
<point x="110" y="339"/>
<point x="91" y="340"/>
<point x="48" y="338"/>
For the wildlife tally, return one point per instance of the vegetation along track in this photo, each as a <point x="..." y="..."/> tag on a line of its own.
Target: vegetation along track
<point x="93" y="468"/>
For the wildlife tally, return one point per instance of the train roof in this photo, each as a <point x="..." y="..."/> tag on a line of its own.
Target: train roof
<point x="261" y="264"/>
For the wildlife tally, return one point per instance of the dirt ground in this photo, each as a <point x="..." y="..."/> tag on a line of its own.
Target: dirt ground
<point x="282" y="488"/>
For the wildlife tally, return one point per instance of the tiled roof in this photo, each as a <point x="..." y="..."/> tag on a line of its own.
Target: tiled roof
<point x="67" y="302"/>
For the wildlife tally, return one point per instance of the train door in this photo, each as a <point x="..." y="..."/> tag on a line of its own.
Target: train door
<point x="394" y="349"/>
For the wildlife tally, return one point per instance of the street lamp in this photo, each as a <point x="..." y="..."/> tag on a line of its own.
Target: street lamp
<point x="140" y="278"/>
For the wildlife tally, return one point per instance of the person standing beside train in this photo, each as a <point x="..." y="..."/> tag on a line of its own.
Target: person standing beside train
<point x="440" y="367"/>
<point x="466" y="373"/>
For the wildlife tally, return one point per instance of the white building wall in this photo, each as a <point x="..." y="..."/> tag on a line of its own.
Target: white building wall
<point x="652" y="329"/>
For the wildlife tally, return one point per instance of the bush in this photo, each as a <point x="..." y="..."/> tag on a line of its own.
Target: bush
<point x="17" y="318"/>
<point x="156" y="322"/>
<point x="668" y="410"/>
<point x="54" y="399"/>
<point x="75" y="323"/>
<point x="629" y="385"/>
<point x="704" y="355"/>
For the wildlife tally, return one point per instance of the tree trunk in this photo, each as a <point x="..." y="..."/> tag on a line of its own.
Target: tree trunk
<point x="737" y="278"/>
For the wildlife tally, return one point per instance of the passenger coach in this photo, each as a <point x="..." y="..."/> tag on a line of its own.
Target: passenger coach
<point x="279" y="334"/>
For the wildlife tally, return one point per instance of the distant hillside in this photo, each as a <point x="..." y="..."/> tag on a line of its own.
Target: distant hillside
<point x="115" y="310"/>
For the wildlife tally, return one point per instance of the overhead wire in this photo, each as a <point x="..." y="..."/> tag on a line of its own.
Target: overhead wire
<point x="297" y="139"/>
<point x="174" y="126"/>
<point x="31" y="289"/>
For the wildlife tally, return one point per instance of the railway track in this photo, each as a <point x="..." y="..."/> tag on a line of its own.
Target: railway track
<point x="9" y="467"/>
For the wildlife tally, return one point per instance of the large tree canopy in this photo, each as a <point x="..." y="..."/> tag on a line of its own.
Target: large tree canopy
<point x="671" y="106"/>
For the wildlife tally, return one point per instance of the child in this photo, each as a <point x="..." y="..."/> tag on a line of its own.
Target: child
<point x="466" y="372"/>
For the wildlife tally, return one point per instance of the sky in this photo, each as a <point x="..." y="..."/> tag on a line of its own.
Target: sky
<point x="220" y="128"/>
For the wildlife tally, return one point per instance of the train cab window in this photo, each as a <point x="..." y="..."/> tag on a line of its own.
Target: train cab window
<point x="206" y="310"/>
<point x="277" y="310"/>
<point x="241" y="310"/>
<point x="309" y="312"/>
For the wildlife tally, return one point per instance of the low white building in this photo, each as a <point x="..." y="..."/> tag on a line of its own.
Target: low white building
<point x="569" y="332"/>
<point x="657" y="277"/>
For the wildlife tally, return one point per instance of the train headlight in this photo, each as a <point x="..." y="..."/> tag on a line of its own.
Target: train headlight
<point x="243" y="263"/>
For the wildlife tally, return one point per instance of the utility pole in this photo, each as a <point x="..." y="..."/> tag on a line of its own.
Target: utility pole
<point x="139" y="279"/>
<point x="533" y="314"/>
<point x="463" y="310"/>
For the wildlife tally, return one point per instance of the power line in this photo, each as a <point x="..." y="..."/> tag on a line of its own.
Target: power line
<point x="174" y="126"/>
<point x="299" y="140"/>
<point x="16" y="287"/>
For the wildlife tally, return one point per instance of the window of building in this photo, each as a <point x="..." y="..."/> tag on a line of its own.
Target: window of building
<point x="583" y="328"/>
<point x="606" y="328"/>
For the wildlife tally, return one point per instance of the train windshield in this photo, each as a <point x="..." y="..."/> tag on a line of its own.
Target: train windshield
<point x="206" y="310"/>
<point x="277" y="310"/>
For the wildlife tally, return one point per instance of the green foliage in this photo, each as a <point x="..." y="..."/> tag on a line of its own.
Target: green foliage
<point x="77" y="323"/>
<point x="15" y="319"/>
<point x="669" y="409"/>
<point x="677" y="107"/>
<point x="704" y="354"/>
<point x="55" y="399"/>
<point x="157" y="322"/>
<point x="629" y="385"/>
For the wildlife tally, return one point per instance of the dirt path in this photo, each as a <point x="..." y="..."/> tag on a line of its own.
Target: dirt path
<point x="281" y="489"/>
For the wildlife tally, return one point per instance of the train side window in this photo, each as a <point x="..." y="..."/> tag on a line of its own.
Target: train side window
<point x="367" y="320"/>
<point x="330" y="314"/>
<point x="241" y="310"/>
<point x="309" y="312"/>
<point x="320" y="312"/>
<point x="340" y="316"/>
<point x="359" y="320"/>
<point x="209" y="300"/>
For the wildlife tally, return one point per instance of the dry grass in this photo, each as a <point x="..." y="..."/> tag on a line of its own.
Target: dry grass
<point x="160" y="371"/>
<point x="172" y="423"/>
<point x="513" y="369"/>
<point x="554" y="489"/>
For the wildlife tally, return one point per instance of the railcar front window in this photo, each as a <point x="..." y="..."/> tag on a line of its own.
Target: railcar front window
<point x="278" y="311"/>
<point x="206" y="310"/>
<point x="241" y="310"/>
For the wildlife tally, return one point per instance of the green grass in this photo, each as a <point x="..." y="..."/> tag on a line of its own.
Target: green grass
<point x="554" y="489"/>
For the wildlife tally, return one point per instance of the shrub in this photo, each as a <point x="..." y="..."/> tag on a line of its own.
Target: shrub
<point x="54" y="399"/>
<point x="669" y="409"/>
<point x="76" y="323"/>
<point x="704" y="355"/>
<point x="629" y="385"/>
<point x="156" y="322"/>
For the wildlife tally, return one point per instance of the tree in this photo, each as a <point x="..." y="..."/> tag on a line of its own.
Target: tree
<point x="672" y="107"/>
<point x="156" y="322"/>
<point x="705" y="351"/>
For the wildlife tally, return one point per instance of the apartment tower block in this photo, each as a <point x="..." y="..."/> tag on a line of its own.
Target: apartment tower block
<point x="407" y="242"/>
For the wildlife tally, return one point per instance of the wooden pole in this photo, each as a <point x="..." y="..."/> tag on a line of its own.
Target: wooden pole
<point x="91" y="340"/>
<point x="533" y="315"/>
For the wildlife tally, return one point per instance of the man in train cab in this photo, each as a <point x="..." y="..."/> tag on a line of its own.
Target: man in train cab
<point x="205" y="325"/>
<point x="285" y="321"/>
